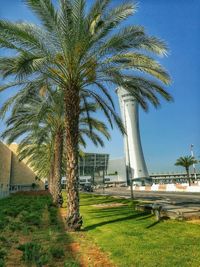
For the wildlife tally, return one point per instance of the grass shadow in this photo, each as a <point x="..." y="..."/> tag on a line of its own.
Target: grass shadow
<point x="146" y="217"/>
<point x="153" y="224"/>
<point x="130" y="217"/>
<point x="162" y="219"/>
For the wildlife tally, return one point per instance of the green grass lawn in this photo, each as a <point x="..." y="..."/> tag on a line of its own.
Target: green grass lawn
<point x="31" y="233"/>
<point x="134" y="238"/>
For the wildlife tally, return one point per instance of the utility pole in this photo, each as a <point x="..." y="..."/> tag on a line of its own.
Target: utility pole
<point x="194" y="168"/>
<point x="103" y="181"/>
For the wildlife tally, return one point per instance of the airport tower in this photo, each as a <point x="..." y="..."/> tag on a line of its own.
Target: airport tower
<point x="135" y="162"/>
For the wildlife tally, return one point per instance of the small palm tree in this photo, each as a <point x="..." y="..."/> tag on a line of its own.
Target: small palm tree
<point x="186" y="162"/>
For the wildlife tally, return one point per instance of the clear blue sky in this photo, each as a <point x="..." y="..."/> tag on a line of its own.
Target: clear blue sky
<point x="167" y="132"/>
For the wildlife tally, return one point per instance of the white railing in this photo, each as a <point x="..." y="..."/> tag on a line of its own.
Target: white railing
<point x="195" y="188"/>
<point x="4" y="194"/>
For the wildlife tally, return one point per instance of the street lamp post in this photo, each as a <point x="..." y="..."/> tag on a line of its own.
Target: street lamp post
<point x="194" y="168"/>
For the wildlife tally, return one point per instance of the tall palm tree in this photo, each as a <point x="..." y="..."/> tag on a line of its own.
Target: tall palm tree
<point x="42" y="120"/>
<point x="186" y="162"/>
<point x="85" y="53"/>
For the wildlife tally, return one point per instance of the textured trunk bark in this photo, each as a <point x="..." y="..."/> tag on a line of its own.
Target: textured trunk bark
<point x="58" y="152"/>
<point x="72" y="110"/>
<point x="51" y="175"/>
<point x="188" y="175"/>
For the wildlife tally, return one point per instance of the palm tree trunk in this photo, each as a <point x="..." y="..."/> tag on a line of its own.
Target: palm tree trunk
<point x="72" y="110"/>
<point x="58" y="152"/>
<point x="188" y="175"/>
<point x="51" y="176"/>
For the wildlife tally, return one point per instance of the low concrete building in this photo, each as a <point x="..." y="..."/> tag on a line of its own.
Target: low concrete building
<point x="117" y="167"/>
<point x="5" y="169"/>
<point x="15" y="175"/>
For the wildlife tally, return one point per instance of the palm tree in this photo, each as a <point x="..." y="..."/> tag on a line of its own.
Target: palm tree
<point x="186" y="162"/>
<point x="42" y="119"/>
<point x="84" y="53"/>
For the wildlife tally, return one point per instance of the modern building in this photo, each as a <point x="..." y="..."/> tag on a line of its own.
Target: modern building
<point x="92" y="168"/>
<point x="15" y="175"/>
<point x="93" y="164"/>
<point x="117" y="170"/>
<point x="136" y="169"/>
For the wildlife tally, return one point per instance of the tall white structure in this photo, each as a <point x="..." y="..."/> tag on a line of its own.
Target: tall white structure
<point x="135" y="162"/>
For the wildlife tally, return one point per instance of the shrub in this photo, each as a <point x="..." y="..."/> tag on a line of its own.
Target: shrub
<point x="53" y="214"/>
<point x="31" y="218"/>
<point x="3" y="253"/>
<point x="32" y="253"/>
<point x="3" y="239"/>
<point x="14" y="239"/>
<point x="71" y="264"/>
<point x="3" y="223"/>
<point x="5" y="242"/>
<point x="57" y="252"/>
<point x="14" y="226"/>
<point x="13" y="212"/>
<point x="2" y="263"/>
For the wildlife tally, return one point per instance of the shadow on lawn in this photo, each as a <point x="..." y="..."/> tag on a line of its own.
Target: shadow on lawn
<point x="153" y="224"/>
<point x="133" y="216"/>
<point x="88" y="199"/>
<point x="158" y="221"/>
<point x="146" y="217"/>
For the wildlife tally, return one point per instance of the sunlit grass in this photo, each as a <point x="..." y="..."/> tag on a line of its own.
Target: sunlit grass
<point x="134" y="238"/>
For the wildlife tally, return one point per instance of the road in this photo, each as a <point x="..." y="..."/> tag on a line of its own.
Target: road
<point x="167" y="196"/>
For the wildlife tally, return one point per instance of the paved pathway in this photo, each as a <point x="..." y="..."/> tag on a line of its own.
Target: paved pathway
<point x="177" y="205"/>
<point x="145" y="195"/>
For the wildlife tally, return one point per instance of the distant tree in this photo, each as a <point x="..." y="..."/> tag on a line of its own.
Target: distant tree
<point x="186" y="162"/>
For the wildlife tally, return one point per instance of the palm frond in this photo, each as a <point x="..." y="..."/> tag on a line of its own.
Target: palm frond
<point x="45" y="11"/>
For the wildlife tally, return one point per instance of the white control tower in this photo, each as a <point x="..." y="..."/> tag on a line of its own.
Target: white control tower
<point x="135" y="162"/>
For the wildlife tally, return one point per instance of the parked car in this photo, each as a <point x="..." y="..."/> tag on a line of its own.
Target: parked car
<point x="87" y="187"/>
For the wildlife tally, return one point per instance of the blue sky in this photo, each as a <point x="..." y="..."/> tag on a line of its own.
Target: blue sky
<point x="168" y="131"/>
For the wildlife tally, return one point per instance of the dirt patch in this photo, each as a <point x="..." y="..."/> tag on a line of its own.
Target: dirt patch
<point x="23" y="239"/>
<point x="75" y="247"/>
<point x="111" y="205"/>
<point x="194" y="221"/>
<point x="32" y="193"/>
<point x="14" y="257"/>
<point x="96" y="258"/>
<point x="88" y="253"/>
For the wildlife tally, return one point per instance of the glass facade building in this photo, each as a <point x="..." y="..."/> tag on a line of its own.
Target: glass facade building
<point x="92" y="164"/>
